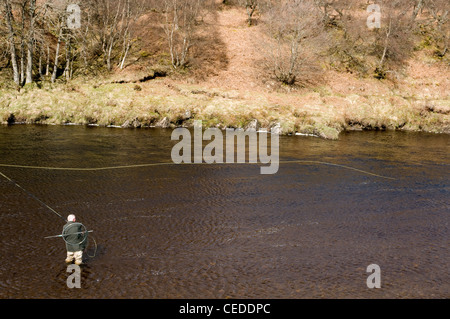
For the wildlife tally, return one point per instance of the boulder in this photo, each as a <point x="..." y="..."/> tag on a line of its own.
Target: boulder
<point x="185" y="116"/>
<point x="164" y="123"/>
<point x="253" y="126"/>
<point x="127" y="124"/>
<point x="134" y="123"/>
<point x="276" y="129"/>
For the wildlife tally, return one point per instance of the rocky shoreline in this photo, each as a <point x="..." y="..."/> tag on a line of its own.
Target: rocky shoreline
<point x="330" y="134"/>
<point x="157" y="104"/>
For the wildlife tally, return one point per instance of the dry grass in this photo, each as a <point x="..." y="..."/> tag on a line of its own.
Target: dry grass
<point x="321" y="112"/>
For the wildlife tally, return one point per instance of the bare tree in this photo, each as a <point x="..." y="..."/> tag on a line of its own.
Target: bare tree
<point x="133" y="11"/>
<point x="30" y="42"/>
<point x="56" y="17"/>
<point x="393" y="39"/>
<point x="355" y="47"/>
<point x="35" y="38"/>
<point x="56" y="23"/>
<point x="179" y="24"/>
<point x="22" y="5"/>
<point x="291" y="24"/>
<point x="57" y="52"/>
<point x="113" y="22"/>
<point x="333" y="10"/>
<point x="439" y="10"/>
<point x="108" y="15"/>
<point x="11" y="38"/>
<point x="250" y="7"/>
<point x="418" y="6"/>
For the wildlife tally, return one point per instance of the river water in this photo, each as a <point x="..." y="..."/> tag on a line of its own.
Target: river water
<point x="226" y="231"/>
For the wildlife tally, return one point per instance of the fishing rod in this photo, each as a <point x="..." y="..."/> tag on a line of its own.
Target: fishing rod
<point x="58" y="236"/>
<point x="32" y="196"/>
<point x="53" y="211"/>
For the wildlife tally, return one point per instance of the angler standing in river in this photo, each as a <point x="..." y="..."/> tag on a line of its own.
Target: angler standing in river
<point x="76" y="240"/>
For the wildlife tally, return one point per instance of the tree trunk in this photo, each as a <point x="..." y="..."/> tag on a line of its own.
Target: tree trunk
<point x="108" y="56"/>
<point x="125" y="56"/>
<point x="29" y="72"/>
<point x="22" y="62"/>
<point x="251" y="7"/>
<point x="47" y="68"/>
<point x="417" y="7"/>
<point x="30" y="51"/>
<point x="71" y="69"/>
<point x="386" y="44"/>
<point x="12" y="45"/>
<point x="22" y="47"/>
<point x="40" y="63"/>
<point x="58" y="46"/>
<point x="67" y="68"/>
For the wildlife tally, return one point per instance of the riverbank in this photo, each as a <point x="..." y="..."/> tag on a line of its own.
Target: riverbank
<point x="228" y="85"/>
<point x="164" y="102"/>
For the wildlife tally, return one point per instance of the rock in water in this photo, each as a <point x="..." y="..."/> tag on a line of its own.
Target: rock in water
<point x="136" y="123"/>
<point x="164" y="123"/>
<point x="253" y="126"/>
<point x="126" y="124"/>
<point x="276" y="129"/>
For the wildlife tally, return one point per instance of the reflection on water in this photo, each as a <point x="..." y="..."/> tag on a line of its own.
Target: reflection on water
<point x="216" y="231"/>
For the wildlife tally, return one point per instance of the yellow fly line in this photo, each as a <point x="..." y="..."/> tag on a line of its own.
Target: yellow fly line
<point x="168" y="163"/>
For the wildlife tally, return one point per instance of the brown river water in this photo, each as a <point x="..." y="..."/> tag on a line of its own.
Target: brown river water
<point x="225" y="230"/>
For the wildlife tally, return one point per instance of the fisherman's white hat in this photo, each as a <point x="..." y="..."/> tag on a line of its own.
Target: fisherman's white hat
<point x="71" y="218"/>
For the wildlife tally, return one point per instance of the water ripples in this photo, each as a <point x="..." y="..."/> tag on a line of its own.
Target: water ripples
<point x="225" y="231"/>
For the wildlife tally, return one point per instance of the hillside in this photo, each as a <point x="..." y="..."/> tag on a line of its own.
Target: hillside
<point x="228" y="85"/>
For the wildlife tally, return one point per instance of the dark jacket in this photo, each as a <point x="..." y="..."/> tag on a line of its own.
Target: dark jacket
<point x="74" y="237"/>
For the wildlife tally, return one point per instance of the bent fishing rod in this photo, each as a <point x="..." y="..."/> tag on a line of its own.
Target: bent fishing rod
<point x="42" y="203"/>
<point x="59" y="236"/>
<point x="32" y="196"/>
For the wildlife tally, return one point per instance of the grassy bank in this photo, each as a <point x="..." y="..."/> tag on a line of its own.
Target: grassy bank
<point x="165" y="103"/>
